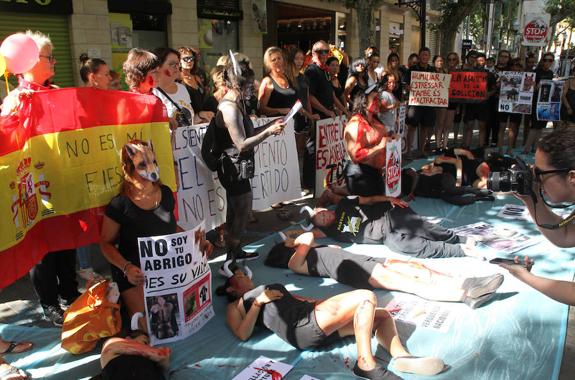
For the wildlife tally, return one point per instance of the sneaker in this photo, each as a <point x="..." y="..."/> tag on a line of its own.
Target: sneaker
<point x="54" y="314"/>
<point x="243" y="255"/>
<point x="474" y="303"/>
<point x="377" y="373"/>
<point x="478" y="286"/>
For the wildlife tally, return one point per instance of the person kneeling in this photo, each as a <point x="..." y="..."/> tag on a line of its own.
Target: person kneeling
<point x="313" y="323"/>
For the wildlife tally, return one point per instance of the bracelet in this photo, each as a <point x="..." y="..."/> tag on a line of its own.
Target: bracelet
<point x="125" y="268"/>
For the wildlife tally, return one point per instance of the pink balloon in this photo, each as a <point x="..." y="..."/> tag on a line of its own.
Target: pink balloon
<point x="21" y="53"/>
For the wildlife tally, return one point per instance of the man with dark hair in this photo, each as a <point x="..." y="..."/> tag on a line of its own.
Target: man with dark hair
<point x="422" y="117"/>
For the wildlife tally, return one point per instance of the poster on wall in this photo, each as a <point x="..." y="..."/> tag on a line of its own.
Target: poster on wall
<point x="468" y="86"/>
<point x="536" y="29"/>
<point x="331" y="154"/>
<point x="276" y="177"/>
<point x="178" y="287"/>
<point x="516" y="95"/>
<point x="429" y="89"/>
<point x="549" y="101"/>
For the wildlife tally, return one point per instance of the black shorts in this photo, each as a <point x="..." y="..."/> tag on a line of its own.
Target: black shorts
<point x="514" y="118"/>
<point x="357" y="273"/>
<point x="132" y="367"/>
<point x="419" y="115"/>
<point x="309" y="334"/>
<point x="363" y="180"/>
<point x="476" y="111"/>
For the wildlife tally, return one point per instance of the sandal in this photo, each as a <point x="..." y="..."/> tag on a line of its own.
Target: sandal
<point x="10" y="372"/>
<point x="13" y="345"/>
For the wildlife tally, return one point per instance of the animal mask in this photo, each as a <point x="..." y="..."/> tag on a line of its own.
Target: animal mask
<point x="144" y="161"/>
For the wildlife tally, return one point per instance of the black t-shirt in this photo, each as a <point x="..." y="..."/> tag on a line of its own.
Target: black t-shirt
<point x="361" y="224"/>
<point x="136" y="222"/>
<point x="343" y="266"/>
<point x="281" y="316"/>
<point x="320" y="86"/>
<point x="468" y="170"/>
<point x="429" y="185"/>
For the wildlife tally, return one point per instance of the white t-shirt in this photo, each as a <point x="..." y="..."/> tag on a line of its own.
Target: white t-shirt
<point x="181" y="97"/>
<point x="389" y="117"/>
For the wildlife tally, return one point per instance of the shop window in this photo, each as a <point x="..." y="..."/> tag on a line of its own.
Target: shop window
<point x="217" y="37"/>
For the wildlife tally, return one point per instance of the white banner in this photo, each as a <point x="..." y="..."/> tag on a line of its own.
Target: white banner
<point x="393" y="168"/>
<point x="516" y="95"/>
<point x="331" y="154"/>
<point x="178" y="291"/>
<point x="200" y="195"/>
<point x="429" y="89"/>
<point x="549" y="101"/>
<point x="276" y="176"/>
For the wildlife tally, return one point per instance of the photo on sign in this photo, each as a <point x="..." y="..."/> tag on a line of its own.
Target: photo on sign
<point x="196" y="297"/>
<point x="164" y="315"/>
<point x="528" y="82"/>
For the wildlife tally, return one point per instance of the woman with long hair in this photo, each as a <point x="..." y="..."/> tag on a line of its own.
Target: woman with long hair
<point x="195" y="81"/>
<point x="393" y="67"/>
<point x="332" y="64"/>
<point x="372" y="60"/>
<point x="356" y="81"/>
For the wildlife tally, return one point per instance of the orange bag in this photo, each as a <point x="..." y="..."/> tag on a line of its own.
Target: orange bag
<point x="90" y="318"/>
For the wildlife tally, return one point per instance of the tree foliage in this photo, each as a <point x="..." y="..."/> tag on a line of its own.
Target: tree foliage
<point x="561" y="10"/>
<point x="452" y="16"/>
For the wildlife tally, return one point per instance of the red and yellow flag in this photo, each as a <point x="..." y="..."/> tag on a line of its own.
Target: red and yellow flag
<point x="60" y="166"/>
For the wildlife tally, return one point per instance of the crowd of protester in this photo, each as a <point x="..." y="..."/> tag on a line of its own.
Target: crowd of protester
<point x="368" y="91"/>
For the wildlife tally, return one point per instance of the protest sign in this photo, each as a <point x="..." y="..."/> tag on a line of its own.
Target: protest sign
<point x="400" y="126"/>
<point x="429" y="89"/>
<point x="468" y="87"/>
<point x="264" y="369"/>
<point x="60" y="166"/>
<point x="201" y="197"/>
<point x="393" y="168"/>
<point x="331" y="154"/>
<point x="499" y="239"/>
<point x="438" y="316"/>
<point x="549" y="101"/>
<point x="178" y="290"/>
<point x="276" y="177"/>
<point x="536" y="29"/>
<point x="516" y="95"/>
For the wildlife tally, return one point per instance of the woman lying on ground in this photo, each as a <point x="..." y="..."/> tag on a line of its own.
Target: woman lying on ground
<point x="462" y="165"/>
<point x="385" y="220"/>
<point x="307" y="323"/>
<point x="302" y="256"/>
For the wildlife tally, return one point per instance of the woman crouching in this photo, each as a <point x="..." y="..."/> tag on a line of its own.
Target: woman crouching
<point x="307" y="323"/>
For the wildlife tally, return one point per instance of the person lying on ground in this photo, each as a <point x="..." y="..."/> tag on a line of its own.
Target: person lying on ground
<point x="307" y="323"/>
<point x="385" y="220"/>
<point x="303" y="256"/>
<point x="467" y="170"/>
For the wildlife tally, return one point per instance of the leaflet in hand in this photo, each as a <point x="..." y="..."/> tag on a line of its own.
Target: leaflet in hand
<point x="294" y="110"/>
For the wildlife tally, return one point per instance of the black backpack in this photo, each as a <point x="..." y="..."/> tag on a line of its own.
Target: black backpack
<point x="210" y="151"/>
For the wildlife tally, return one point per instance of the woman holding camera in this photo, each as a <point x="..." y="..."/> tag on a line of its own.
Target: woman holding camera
<point x="553" y="184"/>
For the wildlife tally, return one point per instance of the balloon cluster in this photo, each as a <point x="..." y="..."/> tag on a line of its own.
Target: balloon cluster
<point x="18" y="54"/>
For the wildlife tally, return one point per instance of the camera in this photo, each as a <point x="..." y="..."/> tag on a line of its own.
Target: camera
<point x="518" y="178"/>
<point x="247" y="169"/>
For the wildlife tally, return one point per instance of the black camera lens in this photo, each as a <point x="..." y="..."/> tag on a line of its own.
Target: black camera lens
<point x="499" y="181"/>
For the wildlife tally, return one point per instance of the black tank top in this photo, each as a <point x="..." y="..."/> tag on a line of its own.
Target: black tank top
<point x="282" y="97"/>
<point x="281" y="316"/>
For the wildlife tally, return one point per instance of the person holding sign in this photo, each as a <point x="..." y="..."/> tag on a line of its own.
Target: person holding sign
<point x="303" y="256"/>
<point x="365" y="138"/>
<point x="305" y="323"/>
<point x="514" y="119"/>
<point x="143" y="208"/>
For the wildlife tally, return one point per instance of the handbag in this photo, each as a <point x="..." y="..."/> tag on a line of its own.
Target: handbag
<point x="90" y="318"/>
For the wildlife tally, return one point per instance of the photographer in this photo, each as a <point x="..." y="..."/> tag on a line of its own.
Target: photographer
<point x="554" y="183"/>
<point x="236" y="139"/>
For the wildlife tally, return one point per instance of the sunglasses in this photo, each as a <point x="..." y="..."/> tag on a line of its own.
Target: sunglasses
<point x="322" y="51"/>
<point x="538" y="173"/>
<point x="188" y="59"/>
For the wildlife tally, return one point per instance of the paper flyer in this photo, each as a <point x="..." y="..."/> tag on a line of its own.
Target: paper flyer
<point x="264" y="369"/>
<point x="503" y="240"/>
<point x="430" y="315"/>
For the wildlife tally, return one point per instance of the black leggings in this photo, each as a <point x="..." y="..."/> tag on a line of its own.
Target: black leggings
<point x="239" y="207"/>
<point x="363" y="180"/>
<point x="55" y="276"/>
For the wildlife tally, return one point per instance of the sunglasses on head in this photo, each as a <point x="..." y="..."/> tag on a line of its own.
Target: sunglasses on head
<point x="322" y="51"/>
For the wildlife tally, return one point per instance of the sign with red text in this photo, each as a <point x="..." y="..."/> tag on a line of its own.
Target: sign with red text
<point x="393" y="168"/>
<point x="429" y="89"/>
<point x="331" y="154"/>
<point x="536" y="29"/>
<point x="468" y="86"/>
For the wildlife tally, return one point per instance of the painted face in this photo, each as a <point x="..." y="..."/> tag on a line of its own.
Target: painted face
<point x="187" y="61"/>
<point x="324" y="218"/>
<point x="144" y="161"/>
<point x="555" y="186"/>
<point x="171" y="67"/>
<point x="102" y="78"/>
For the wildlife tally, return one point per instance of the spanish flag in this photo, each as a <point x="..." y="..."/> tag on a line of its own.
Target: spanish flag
<point x="60" y="166"/>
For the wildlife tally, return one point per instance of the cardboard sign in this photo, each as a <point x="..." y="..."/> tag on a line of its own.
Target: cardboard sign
<point x="178" y="290"/>
<point x="516" y="95"/>
<point x="429" y="89"/>
<point x="468" y="87"/>
<point x="393" y="168"/>
<point x="536" y="29"/>
<point x="549" y="101"/>
<point x="331" y="154"/>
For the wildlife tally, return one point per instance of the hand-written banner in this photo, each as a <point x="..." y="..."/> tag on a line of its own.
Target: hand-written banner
<point x="429" y="89"/>
<point x="178" y="291"/>
<point x="516" y="94"/>
<point x="549" y="101"/>
<point x="200" y="194"/>
<point x="331" y="154"/>
<point x="468" y="87"/>
<point x="276" y="175"/>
